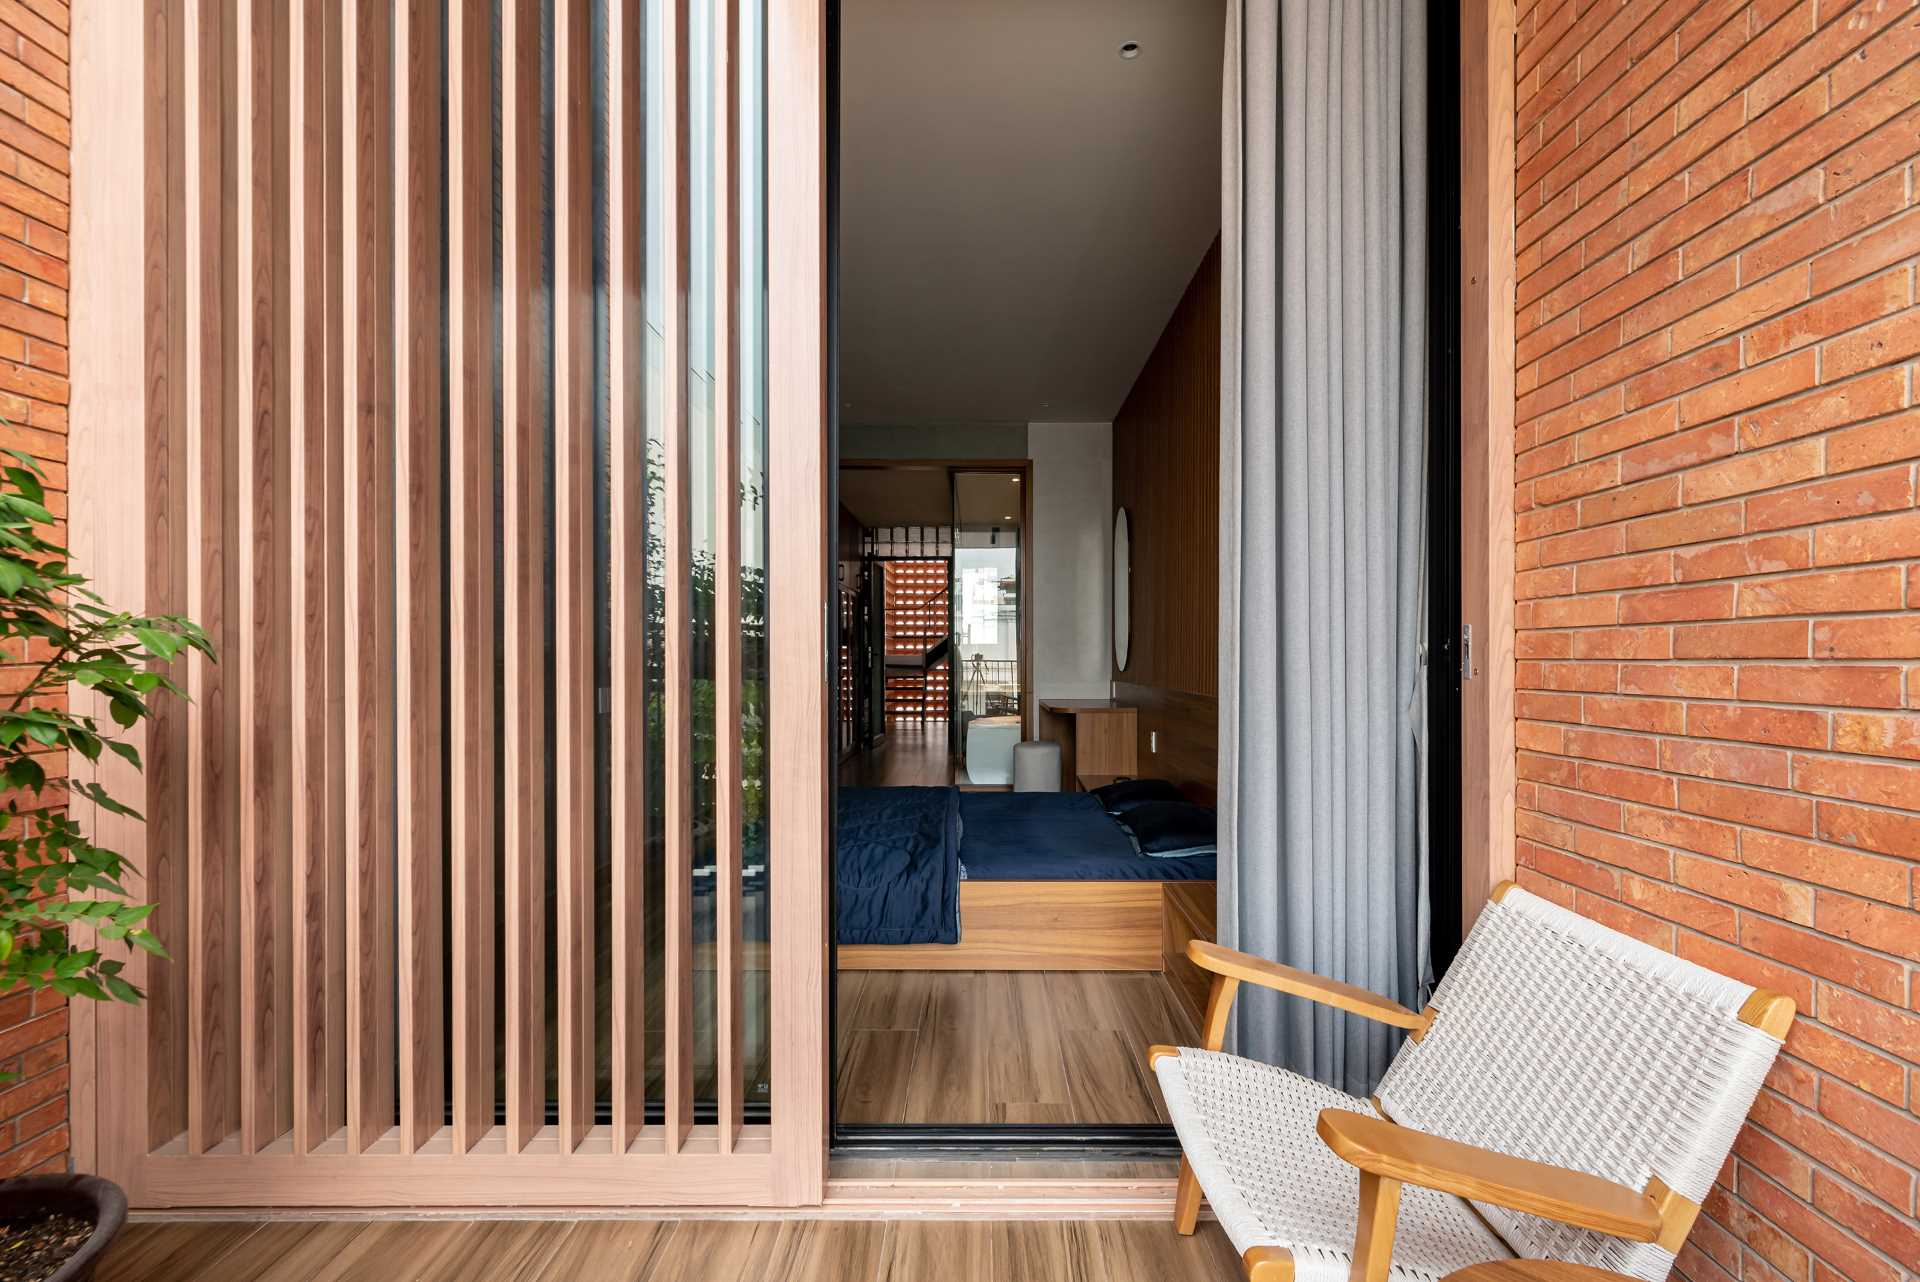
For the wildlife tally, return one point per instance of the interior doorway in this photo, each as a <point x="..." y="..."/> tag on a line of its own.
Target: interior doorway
<point x="1027" y="271"/>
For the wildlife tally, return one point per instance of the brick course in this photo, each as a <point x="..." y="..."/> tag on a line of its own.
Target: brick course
<point x="35" y="147"/>
<point x="1718" y="424"/>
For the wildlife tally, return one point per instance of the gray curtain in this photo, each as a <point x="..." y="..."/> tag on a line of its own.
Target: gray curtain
<point x="1323" y="517"/>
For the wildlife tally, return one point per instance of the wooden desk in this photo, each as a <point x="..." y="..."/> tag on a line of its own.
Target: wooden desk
<point x="1096" y="736"/>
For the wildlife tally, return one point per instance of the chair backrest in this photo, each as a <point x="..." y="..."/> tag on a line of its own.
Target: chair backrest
<point x="1558" y="1039"/>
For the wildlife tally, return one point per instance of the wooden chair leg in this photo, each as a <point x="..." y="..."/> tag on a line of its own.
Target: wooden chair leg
<point x="1186" y="1201"/>
<point x="1373" y="1239"/>
<point x="1268" y="1264"/>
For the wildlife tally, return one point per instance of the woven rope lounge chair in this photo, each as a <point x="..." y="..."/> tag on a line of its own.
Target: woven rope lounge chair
<point x="1570" y="1094"/>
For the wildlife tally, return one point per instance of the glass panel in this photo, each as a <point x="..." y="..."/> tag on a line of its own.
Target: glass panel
<point x="701" y="347"/>
<point x="990" y="516"/>
<point x="659" y="180"/>
<point x="757" y="1022"/>
<point x="656" y="296"/>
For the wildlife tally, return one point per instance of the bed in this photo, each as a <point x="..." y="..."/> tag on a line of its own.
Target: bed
<point x="939" y="879"/>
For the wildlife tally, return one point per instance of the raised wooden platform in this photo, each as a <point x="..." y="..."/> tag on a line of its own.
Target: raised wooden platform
<point x="1043" y="925"/>
<point x="1036" y="925"/>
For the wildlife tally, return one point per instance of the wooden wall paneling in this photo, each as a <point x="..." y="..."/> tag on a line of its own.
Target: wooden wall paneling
<point x="263" y="661"/>
<point x="165" y="457"/>
<point x="626" y="592"/>
<point x="366" y="547"/>
<point x="1166" y="473"/>
<point x="1486" y="447"/>
<point x="319" y="926"/>
<point x="418" y="795"/>
<point x="213" y="1060"/>
<point x="521" y="576"/>
<point x="1188" y="726"/>
<point x="797" y="478"/>
<point x="726" y="566"/>
<point x="573" y="477"/>
<point x="471" y="569"/>
<point x="675" y="243"/>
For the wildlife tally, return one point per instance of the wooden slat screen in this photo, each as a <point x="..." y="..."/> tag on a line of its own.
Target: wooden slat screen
<point x="454" y="436"/>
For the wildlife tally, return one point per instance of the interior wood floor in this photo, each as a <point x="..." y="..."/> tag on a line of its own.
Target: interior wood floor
<point x="670" y="1251"/>
<point x="913" y="755"/>
<point x="1032" y="1047"/>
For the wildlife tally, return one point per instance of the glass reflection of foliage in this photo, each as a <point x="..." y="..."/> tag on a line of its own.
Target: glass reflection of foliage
<point x="753" y="678"/>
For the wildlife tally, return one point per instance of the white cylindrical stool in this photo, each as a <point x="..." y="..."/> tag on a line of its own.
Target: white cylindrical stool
<point x="1036" y="766"/>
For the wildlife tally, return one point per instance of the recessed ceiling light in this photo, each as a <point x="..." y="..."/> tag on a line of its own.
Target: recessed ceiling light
<point x="1130" y="50"/>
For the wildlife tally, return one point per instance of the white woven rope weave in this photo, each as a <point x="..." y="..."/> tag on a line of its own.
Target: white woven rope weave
<point x="1560" y="1040"/>
<point x="1248" y="1130"/>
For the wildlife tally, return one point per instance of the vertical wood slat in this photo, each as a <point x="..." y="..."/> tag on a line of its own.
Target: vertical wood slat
<point x="336" y="866"/>
<point x="470" y="469"/>
<point x="726" y="564"/>
<point x="417" y="621"/>
<point x="674" y="255"/>
<point x="165" y="570"/>
<point x="265" y="1027"/>
<point x="521" y="578"/>
<point x="366" y="549"/>
<point x="121" y="385"/>
<point x="319" y="1000"/>
<point x="573" y="562"/>
<point x="797" y="721"/>
<point x="212" y="902"/>
<point x="627" y="738"/>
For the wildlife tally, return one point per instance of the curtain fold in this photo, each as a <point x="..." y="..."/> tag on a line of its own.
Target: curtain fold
<point x="1323" y="517"/>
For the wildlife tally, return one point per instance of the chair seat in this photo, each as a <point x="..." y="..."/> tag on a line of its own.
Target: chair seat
<point x="1248" y="1131"/>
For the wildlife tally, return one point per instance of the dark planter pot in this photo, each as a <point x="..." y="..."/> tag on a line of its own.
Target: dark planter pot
<point x="87" y="1196"/>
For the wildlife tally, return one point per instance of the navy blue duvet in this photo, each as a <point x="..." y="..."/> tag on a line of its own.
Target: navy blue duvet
<point x="1058" y="836"/>
<point x="898" y="866"/>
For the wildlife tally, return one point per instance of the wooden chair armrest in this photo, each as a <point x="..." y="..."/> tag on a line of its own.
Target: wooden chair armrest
<point x="1302" y="983"/>
<point x="1399" y="1153"/>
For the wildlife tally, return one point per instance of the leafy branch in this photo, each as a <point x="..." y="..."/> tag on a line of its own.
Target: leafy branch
<point x="53" y="876"/>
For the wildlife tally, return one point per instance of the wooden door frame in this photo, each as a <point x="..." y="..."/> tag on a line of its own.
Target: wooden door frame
<point x="1487" y="283"/>
<point x="1029" y="712"/>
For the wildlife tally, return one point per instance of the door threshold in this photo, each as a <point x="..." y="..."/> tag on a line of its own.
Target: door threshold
<point x="865" y="1188"/>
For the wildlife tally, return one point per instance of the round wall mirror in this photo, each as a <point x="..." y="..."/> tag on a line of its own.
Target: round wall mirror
<point x="1122" y="574"/>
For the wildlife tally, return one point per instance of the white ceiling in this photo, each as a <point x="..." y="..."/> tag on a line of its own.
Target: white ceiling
<point x="1020" y="207"/>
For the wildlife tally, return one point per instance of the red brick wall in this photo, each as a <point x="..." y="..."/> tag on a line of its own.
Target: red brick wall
<point x="1719" y="557"/>
<point x="35" y="137"/>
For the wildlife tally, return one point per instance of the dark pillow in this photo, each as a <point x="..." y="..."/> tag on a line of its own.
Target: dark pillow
<point x="1123" y="793"/>
<point x="1164" y="829"/>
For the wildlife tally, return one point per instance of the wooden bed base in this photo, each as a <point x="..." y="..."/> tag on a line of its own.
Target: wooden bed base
<point x="1039" y="925"/>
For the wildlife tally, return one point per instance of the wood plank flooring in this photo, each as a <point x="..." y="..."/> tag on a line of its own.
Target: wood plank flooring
<point x="671" y="1251"/>
<point x="913" y="755"/>
<point x="1022" y="1047"/>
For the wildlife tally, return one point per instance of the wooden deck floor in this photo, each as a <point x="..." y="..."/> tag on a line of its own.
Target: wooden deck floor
<point x="1021" y="1047"/>
<point x="671" y="1251"/>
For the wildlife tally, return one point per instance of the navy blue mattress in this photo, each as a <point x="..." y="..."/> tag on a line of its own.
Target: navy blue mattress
<point x="1057" y="836"/>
